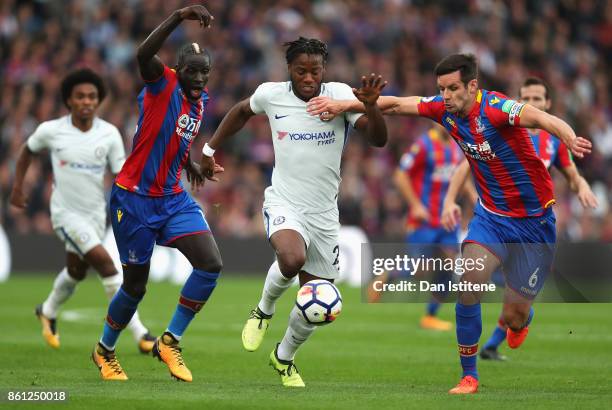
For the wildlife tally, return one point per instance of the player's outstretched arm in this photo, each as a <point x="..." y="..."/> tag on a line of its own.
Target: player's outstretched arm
<point x="150" y="65"/>
<point x="532" y="117"/>
<point x="451" y="212"/>
<point x="233" y="122"/>
<point x="373" y="122"/>
<point x="389" y="105"/>
<point x="18" y="198"/>
<point x="580" y="186"/>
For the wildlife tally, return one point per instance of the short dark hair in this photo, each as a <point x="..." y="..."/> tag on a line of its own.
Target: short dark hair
<point x="305" y="45"/>
<point x="190" y="49"/>
<point x="466" y="64"/>
<point x="82" y="76"/>
<point x="537" y="81"/>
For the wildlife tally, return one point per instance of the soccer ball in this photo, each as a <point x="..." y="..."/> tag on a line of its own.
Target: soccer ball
<point x="319" y="302"/>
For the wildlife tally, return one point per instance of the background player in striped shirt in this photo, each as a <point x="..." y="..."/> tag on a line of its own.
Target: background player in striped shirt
<point x="552" y="152"/>
<point x="82" y="146"/>
<point x="148" y="202"/>
<point x="513" y="224"/>
<point x="422" y="177"/>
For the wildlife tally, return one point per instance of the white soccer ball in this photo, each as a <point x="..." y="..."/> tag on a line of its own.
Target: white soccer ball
<point x="319" y="302"/>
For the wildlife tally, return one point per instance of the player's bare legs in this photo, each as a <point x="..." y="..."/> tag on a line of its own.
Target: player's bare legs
<point x="290" y="251"/>
<point x="468" y="318"/>
<point x="63" y="287"/>
<point x="517" y="314"/>
<point x="202" y="252"/>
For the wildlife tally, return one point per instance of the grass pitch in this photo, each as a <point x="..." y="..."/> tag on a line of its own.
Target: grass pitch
<point x="374" y="356"/>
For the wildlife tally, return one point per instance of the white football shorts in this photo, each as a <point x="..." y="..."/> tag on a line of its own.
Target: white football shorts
<point x="80" y="233"/>
<point x="319" y="230"/>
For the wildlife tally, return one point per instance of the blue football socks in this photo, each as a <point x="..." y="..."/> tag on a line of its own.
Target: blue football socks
<point x="469" y="328"/>
<point x="196" y="291"/>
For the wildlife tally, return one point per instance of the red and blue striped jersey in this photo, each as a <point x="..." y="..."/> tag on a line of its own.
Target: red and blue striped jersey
<point x="167" y="125"/>
<point x="429" y="164"/>
<point x="550" y="149"/>
<point x="510" y="178"/>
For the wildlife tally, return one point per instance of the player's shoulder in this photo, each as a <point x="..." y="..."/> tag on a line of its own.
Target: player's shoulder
<point x="499" y="101"/>
<point x="55" y="124"/>
<point x="274" y="87"/>
<point x="105" y="129"/>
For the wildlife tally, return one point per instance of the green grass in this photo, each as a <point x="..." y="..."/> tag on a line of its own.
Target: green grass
<point x="374" y="356"/>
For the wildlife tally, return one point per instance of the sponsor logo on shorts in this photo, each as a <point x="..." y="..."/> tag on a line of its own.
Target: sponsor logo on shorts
<point x="119" y="215"/>
<point x="279" y="220"/>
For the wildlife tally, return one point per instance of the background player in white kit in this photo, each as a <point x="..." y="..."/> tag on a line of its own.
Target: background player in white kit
<point x="81" y="146"/>
<point x="300" y="208"/>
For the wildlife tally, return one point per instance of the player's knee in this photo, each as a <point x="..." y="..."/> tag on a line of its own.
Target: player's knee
<point x="136" y="290"/>
<point x="77" y="272"/>
<point x="135" y="283"/>
<point x="210" y="264"/>
<point x="290" y="263"/>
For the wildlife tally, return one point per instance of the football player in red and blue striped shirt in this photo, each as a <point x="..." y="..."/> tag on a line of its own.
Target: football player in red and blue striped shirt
<point x="148" y="202"/>
<point x="422" y="177"/>
<point x="551" y="151"/>
<point x="513" y="224"/>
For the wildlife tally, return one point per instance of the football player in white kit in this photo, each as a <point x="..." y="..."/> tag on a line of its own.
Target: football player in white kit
<point x="300" y="209"/>
<point x="81" y="147"/>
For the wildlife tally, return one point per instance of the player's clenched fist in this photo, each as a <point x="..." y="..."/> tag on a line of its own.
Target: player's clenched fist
<point x="451" y="216"/>
<point x="208" y="168"/>
<point x="197" y="12"/>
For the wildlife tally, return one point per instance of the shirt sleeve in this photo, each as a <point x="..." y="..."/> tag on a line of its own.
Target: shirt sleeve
<point x="345" y="92"/>
<point x="260" y="99"/>
<point x="502" y="111"/>
<point x="40" y="139"/>
<point x="414" y="157"/>
<point x="157" y="86"/>
<point x="431" y="107"/>
<point x="564" y="157"/>
<point x="116" y="153"/>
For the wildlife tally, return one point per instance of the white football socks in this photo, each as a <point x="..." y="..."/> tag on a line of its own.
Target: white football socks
<point x="297" y="333"/>
<point x="276" y="284"/>
<point x="111" y="286"/>
<point x="63" y="287"/>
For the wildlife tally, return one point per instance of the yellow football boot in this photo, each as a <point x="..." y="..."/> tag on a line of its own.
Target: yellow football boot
<point x="255" y="329"/>
<point x="167" y="350"/>
<point x="289" y="374"/>
<point x="49" y="328"/>
<point x="107" y="363"/>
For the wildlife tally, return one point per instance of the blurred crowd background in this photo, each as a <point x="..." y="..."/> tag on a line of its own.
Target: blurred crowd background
<point x="566" y="42"/>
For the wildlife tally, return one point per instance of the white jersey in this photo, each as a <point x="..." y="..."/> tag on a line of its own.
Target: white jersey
<point x="307" y="150"/>
<point x="79" y="161"/>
